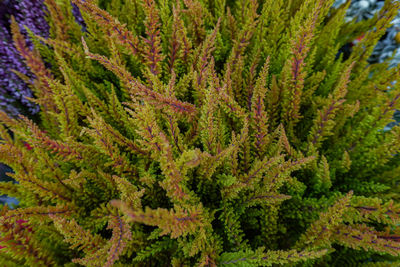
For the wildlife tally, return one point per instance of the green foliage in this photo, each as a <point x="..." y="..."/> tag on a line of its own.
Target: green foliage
<point x="204" y="133"/>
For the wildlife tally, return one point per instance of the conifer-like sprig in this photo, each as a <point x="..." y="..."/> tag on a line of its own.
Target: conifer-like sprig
<point x="122" y="34"/>
<point x="293" y="85"/>
<point x="152" y="44"/>
<point x="324" y="121"/>
<point x="178" y="222"/>
<point x="259" y="115"/>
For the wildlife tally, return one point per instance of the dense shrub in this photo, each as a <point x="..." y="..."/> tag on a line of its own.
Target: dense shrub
<point x="204" y="133"/>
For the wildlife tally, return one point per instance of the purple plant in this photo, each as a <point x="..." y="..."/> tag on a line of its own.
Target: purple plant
<point x="78" y="16"/>
<point x="30" y="13"/>
<point x="13" y="90"/>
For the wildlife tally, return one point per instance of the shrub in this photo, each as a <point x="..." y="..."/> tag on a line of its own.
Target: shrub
<point x="204" y="133"/>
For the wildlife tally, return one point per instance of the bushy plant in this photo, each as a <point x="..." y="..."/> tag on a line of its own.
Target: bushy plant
<point x="204" y="133"/>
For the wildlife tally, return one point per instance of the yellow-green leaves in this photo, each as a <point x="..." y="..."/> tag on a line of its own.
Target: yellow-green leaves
<point x="320" y="231"/>
<point x="324" y="121"/>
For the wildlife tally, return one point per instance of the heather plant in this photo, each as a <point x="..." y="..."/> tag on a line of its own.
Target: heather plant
<point x="204" y="133"/>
